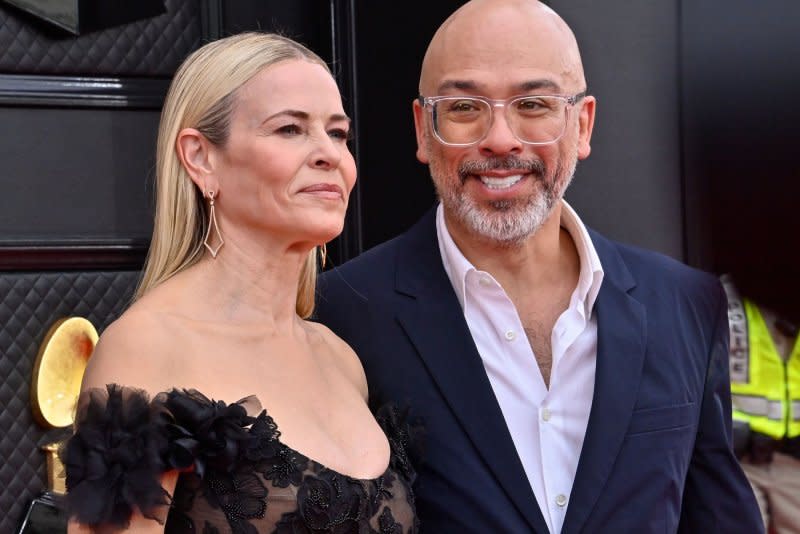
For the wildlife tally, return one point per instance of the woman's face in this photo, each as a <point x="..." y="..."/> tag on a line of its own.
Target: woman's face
<point x="286" y="168"/>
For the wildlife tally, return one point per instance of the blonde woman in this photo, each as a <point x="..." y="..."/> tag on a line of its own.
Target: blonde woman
<point x="212" y="405"/>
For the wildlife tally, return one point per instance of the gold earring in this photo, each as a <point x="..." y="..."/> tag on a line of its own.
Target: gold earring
<point x="212" y="221"/>
<point x="323" y="254"/>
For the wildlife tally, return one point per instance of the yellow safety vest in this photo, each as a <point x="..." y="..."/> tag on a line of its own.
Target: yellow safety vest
<point x="765" y="389"/>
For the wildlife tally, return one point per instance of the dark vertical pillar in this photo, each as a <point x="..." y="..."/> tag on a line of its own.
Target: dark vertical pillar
<point x="741" y="79"/>
<point x="390" y="42"/>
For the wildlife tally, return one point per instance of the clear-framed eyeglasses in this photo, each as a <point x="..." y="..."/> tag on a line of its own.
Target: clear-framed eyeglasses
<point x="466" y="120"/>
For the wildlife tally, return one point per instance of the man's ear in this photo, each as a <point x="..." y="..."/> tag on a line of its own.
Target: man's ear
<point x="419" y="127"/>
<point x="586" y="125"/>
<point x="196" y="155"/>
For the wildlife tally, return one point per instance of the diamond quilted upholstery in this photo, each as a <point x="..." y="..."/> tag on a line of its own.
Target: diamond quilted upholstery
<point x="29" y="304"/>
<point x="151" y="47"/>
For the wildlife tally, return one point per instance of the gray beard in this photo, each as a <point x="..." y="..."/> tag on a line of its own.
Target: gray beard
<point x="506" y="223"/>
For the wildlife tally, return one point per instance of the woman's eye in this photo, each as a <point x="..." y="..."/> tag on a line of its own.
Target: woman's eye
<point x="340" y="133"/>
<point x="290" y="129"/>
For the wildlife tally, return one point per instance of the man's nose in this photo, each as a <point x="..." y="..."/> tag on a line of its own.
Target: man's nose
<point x="500" y="139"/>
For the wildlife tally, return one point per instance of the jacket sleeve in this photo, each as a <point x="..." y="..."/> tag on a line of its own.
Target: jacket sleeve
<point x="717" y="496"/>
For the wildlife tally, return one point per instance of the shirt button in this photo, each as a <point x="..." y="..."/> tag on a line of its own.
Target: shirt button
<point x="561" y="500"/>
<point x="511" y="335"/>
<point x="484" y="281"/>
<point x="545" y="414"/>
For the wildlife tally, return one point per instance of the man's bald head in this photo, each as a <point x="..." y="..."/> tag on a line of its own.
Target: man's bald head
<point x="516" y="33"/>
<point x="498" y="50"/>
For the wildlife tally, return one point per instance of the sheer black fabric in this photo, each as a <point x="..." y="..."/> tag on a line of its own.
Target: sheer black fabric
<point x="235" y="474"/>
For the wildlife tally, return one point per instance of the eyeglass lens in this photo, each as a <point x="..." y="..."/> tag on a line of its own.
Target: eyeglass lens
<point x="533" y="119"/>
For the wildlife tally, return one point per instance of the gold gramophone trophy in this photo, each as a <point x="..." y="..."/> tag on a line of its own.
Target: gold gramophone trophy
<point x="55" y="387"/>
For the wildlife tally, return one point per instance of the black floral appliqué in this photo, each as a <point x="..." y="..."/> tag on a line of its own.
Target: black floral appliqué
<point x="387" y="524"/>
<point x="401" y="435"/>
<point x="331" y="501"/>
<point x="285" y="468"/>
<point x="381" y="490"/>
<point x="241" y="496"/>
<point x="211" y="432"/>
<point x="263" y="443"/>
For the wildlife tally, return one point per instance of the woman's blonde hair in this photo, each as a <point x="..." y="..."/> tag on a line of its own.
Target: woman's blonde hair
<point x="202" y="96"/>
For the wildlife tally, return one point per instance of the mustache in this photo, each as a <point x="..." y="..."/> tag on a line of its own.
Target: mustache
<point x="506" y="163"/>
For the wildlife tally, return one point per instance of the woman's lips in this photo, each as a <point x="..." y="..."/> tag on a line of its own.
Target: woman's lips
<point x="331" y="191"/>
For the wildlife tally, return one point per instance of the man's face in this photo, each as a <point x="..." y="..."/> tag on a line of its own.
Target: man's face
<point x="502" y="195"/>
<point x="501" y="189"/>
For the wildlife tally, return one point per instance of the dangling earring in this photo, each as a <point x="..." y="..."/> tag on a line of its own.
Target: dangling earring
<point x="212" y="221"/>
<point x="323" y="254"/>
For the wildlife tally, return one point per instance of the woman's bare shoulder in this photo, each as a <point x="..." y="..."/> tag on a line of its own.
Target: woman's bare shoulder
<point x="346" y="358"/>
<point x="134" y="350"/>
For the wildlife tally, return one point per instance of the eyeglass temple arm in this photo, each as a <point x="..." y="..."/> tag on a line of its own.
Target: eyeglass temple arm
<point x="574" y="99"/>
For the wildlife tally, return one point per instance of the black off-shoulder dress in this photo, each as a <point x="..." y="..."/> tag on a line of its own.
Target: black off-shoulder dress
<point x="235" y="474"/>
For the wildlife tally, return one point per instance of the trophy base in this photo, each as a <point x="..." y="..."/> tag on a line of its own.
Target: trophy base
<point x="44" y="516"/>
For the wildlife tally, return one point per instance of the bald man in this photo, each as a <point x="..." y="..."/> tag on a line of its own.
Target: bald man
<point x="567" y="383"/>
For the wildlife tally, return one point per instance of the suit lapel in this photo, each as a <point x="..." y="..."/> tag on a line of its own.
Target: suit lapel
<point x="433" y="320"/>
<point x="621" y="337"/>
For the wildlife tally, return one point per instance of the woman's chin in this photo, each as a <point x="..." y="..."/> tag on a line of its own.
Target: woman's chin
<point x="326" y="233"/>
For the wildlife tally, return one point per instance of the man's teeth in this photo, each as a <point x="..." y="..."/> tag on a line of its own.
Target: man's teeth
<point x="500" y="183"/>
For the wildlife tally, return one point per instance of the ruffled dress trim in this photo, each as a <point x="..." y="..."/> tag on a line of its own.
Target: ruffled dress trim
<point x="114" y="460"/>
<point x="124" y="442"/>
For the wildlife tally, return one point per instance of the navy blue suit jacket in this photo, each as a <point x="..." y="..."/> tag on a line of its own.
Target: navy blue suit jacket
<point x="657" y="454"/>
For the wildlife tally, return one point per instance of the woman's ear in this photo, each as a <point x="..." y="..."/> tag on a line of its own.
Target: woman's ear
<point x="195" y="153"/>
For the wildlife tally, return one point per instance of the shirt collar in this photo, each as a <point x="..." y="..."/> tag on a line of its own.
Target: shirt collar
<point x="591" y="271"/>
<point x="591" y="277"/>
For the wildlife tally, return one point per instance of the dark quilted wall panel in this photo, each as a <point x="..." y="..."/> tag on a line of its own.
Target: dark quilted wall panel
<point x="29" y="304"/>
<point x="152" y="47"/>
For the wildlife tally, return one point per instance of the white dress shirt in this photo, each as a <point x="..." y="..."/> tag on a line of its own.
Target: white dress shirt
<point x="547" y="426"/>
